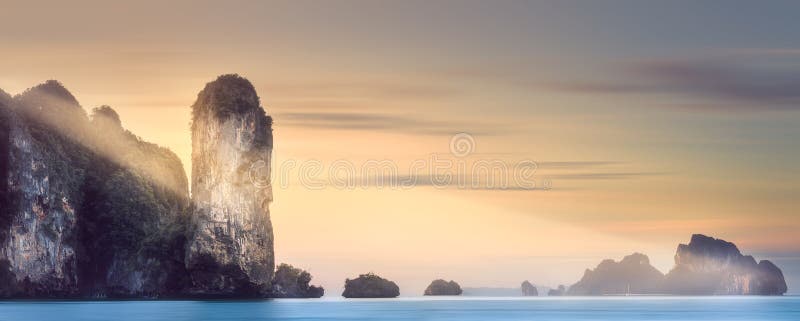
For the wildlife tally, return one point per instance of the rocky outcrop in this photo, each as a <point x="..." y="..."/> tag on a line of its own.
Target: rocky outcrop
<point x="133" y="222"/>
<point x="76" y="220"/>
<point x="528" y="289"/>
<point x="708" y="266"/>
<point x="370" y="286"/>
<point x="90" y="210"/>
<point x="632" y="275"/>
<point x="231" y="247"/>
<point x="442" y="287"/>
<point x="561" y="290"/>
<point x="43" y="191"/>
<point x="291" y="282"/>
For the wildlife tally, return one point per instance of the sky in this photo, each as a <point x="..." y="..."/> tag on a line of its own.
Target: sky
<point x="647" y="121"/>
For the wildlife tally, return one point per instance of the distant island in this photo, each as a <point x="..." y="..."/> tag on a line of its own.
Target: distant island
<point x="705" y="266"/>
<point x="442" y="287"/>
<point x="370" y="286"/>
<point x="528" y="289"/>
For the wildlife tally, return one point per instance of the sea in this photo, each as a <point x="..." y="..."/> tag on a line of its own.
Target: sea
<point x="416" y="308"/>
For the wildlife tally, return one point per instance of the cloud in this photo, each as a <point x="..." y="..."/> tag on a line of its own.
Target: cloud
<point x="380" y="122"/>
<point x="377" y="89"/>
<point x="741" y="80"/>
<point x="601" y="175"/>
<point x="576" y="164"/>
<point x="727" y="80"/>
<point x="453" y="181"/>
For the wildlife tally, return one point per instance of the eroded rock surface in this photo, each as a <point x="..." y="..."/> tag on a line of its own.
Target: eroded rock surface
<point x="80" y="219"/>
<point x="231" y="247"/>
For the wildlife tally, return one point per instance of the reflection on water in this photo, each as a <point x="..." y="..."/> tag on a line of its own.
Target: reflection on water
<point x="456" y="309"/>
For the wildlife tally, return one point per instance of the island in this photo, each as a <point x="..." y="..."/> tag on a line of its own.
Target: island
<point x="709" y="266"/>
<point x="528" y="289"/>
<point x="559" y="291"/>
<point x="705" y="266"/>
<point x="442" y="287"/>
<point x="633" y="274"/>
<point x="370" y="285"/>
<point x="292" y="282"/>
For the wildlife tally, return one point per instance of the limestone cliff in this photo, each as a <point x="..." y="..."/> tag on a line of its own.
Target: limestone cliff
<point x="133" y="220"/>
<point x="712" y="266"/>
<point x="231" y="247"/>
<point x="43" y="193"/>
<point x="77" y="219"/>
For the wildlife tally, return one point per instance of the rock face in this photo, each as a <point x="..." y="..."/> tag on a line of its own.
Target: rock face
<point x="632" y="275"/>
<point x="231" y="247"/>
<point x="370" y="286"/>
<point x="90" y="210"/>
<point x="291" y="282"/>
<point x="79" y="219"/>
<point x="132" y="222"/>
<point x="528" y="289"/>
<point x="442" y="287"/>
<point x="39" y="223"/>
<point x="712" y="266"/>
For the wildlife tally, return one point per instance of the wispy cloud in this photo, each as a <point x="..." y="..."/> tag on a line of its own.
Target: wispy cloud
<point x="468" y="182"/>
<point x="602" y="175"/>
<point x="418" y="125"/>
<point x="741" y="80"/>
<point x="377" y="89"/>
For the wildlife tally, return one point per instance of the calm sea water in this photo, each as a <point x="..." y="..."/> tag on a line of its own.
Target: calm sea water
<point x="456" y="309"/>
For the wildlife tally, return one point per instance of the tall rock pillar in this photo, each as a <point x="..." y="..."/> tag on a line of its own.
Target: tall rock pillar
<point x="230" y="250"/>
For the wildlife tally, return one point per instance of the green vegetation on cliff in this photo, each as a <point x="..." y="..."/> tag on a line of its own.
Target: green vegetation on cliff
<point x="292" y="282"/>
<point x="116" y="205"/>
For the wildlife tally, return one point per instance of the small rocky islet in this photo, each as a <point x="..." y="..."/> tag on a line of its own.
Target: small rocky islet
<point x="370" y="285"/>
<point x="292" y="282"/>
<point x="442" y="287"/>
<point x="528" y="289"/>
